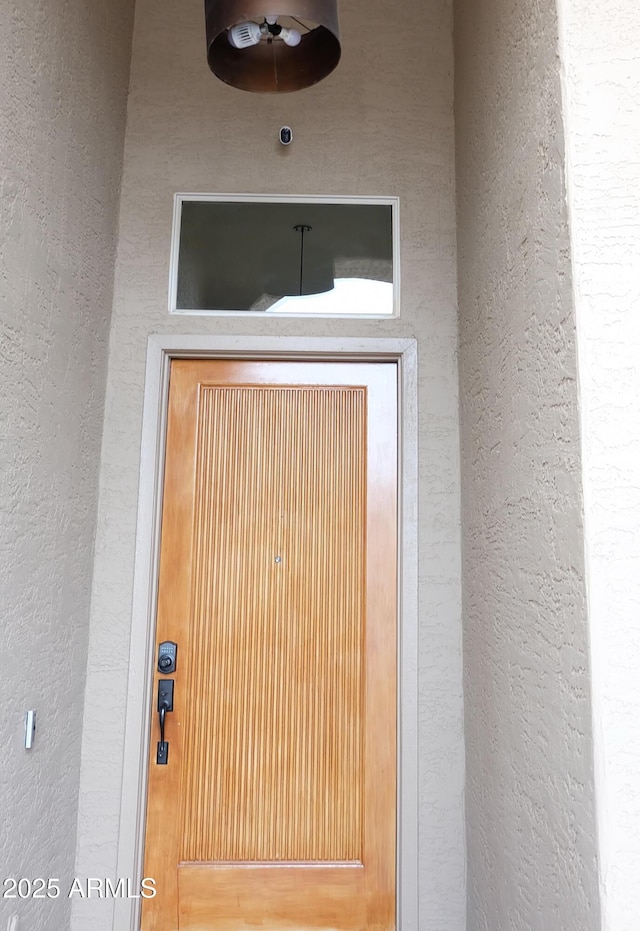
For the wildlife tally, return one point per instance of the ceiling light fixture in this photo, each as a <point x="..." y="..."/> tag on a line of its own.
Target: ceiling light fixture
<point x="244" y="35"/>
<point x="267" y="52"/>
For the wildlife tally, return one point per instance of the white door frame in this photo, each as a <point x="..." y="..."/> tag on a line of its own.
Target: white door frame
<point x="161" y="350"/>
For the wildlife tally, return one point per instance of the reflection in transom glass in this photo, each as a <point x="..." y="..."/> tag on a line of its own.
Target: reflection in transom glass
<point x="285" y="257"/>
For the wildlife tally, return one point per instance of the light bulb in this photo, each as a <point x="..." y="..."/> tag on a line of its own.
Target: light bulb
<point x="291" y="36"/>
<point x="244" y="35"/>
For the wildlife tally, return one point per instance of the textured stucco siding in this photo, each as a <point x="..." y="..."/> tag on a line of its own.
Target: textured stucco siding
<point x="63" y="82"/>
<point x="600" y="50"/>
<point x="382" y="124"/>
<point x="529" y="798"/>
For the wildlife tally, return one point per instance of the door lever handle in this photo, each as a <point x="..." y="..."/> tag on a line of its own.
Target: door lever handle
<point x="165" y="703"/>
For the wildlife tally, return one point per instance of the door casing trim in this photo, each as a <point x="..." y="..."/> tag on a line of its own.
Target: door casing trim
<point x="160" y="351"/>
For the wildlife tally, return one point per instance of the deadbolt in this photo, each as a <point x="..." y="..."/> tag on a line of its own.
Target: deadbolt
<point x="167" y="656"/>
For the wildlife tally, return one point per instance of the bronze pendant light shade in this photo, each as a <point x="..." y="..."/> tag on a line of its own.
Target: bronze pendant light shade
<point x="272" y="46"/>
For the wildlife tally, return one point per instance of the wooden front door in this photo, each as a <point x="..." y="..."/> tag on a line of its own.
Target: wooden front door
<point x="276" y="807"/>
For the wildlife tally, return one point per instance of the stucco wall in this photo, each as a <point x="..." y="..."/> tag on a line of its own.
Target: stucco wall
<point x="381" y="124"/>
<point x="530" y="797"/>
<point x="63" y="81"/>
<point x="600" y="50"/>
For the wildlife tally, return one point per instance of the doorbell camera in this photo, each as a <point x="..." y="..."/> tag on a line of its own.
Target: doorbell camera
<point x="286" y="135"/>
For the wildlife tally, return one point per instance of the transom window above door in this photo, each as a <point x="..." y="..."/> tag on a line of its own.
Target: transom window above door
<point x="235" y="254"/>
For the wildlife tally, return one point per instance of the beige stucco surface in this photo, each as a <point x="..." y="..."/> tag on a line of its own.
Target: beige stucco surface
<point x="382" y="124"/>
<point x="63" y="82"/>
<point x="601" y="68"/>
<point x="530" y="789"/>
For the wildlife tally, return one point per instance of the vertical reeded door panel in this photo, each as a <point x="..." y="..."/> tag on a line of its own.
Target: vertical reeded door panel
<point x="276" y="805"/>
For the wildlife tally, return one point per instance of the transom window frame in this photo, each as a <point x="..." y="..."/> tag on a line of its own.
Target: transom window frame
<point x="180" y="198"/>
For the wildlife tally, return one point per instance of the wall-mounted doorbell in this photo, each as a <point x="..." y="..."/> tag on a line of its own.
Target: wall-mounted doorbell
<point x="29" y="729"/>
<point x="286" y="135"/>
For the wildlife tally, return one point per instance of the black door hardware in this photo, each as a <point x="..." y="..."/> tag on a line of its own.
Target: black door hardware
<point x="165" y="704"/>
<point x="167" y="656"/>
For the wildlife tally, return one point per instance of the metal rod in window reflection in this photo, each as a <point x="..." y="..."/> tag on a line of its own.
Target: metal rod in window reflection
<point x="302" y="229"/>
